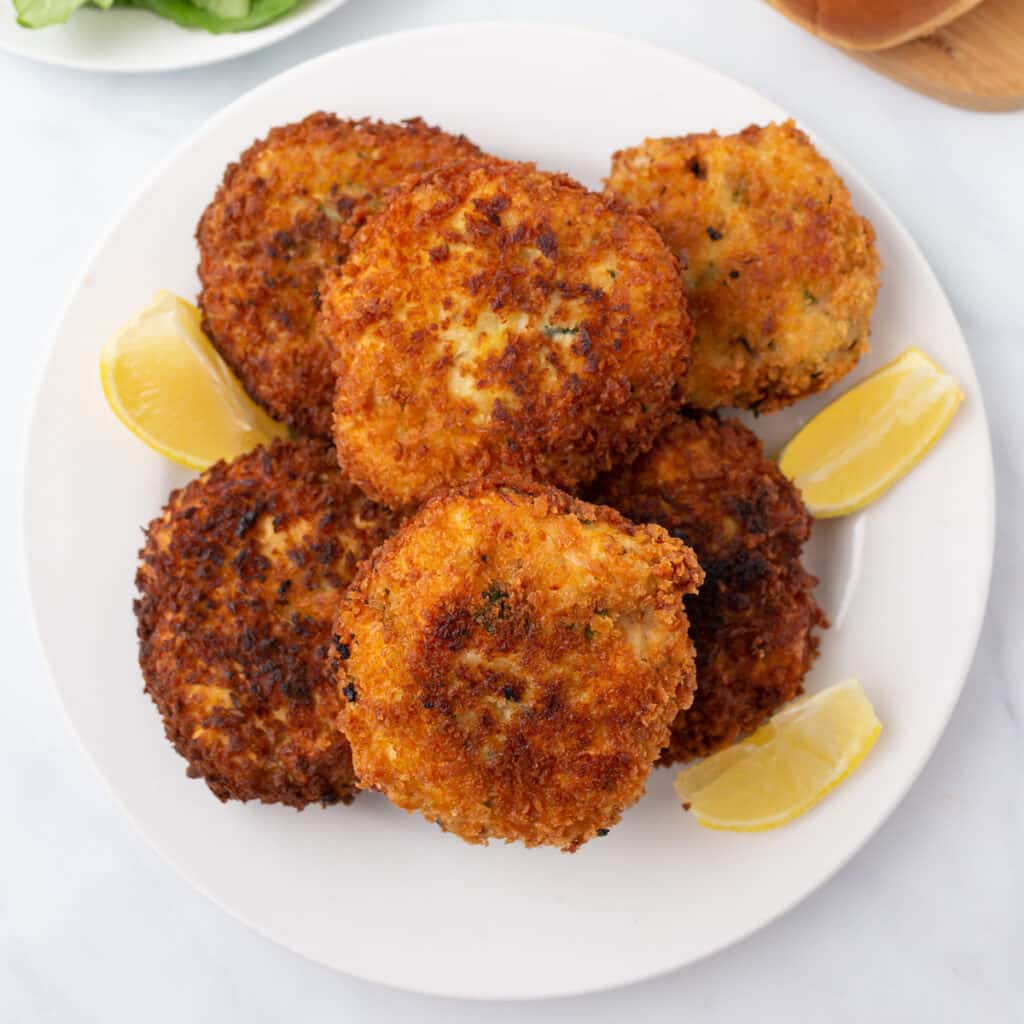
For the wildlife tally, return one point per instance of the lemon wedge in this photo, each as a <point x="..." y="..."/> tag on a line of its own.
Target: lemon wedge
<point x="856" y="448"/>
<point x="166" y="383"/>
<point x="786" y="766"/>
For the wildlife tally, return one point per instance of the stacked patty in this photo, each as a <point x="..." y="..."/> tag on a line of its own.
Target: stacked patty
<point x="512" y="660"/>
<point x="284" y="214"/>
<point x="500" y="320"/>
<point x="753" y="622"/>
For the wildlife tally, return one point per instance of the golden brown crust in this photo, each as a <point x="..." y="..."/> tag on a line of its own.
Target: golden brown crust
<point x="781" y="273"/>
<point x="239" y="583"/>
<point x="286" y="211"/>
<point x="872" y="24"/>
<point x="707" y="482"/>
<point x="511" y="661"/>
<point x="499" y="320"/>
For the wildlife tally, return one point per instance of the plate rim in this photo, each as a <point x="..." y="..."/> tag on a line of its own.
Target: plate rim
<point x="275" y="32"/>
<point x="890" y="800"/>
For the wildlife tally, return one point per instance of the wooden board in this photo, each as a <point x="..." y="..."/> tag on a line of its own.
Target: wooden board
<point x="976" y="61"/>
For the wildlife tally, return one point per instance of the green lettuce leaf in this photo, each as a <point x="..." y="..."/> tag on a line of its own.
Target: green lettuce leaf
<point x="261" y="12"/>
<point x="40" y="13"/>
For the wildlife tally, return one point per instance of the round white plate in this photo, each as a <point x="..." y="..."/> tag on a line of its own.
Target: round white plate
<point x="128" y="40"/>
<point x="368" y="889"/>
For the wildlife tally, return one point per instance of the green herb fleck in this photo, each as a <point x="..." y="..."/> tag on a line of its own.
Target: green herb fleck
<point x="495" y="610"/>
<point x="554" y="331"/>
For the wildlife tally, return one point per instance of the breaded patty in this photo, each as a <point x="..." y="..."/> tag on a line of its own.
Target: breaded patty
<point x="240" y="580"/>
<point x="708" y="482"/>
<point x="511" y="662"/>
<point x="781" y="273"/>
<point x="500" y="320"/>
<point x="286" y="211"/>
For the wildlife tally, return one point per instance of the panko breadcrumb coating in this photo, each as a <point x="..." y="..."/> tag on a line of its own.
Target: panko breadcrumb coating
<point x="707" y="482"/>
<point x="240" y="580"/>
<point x="510" y="663"/>
<point x="284" y="213"/>
<point x="499" y="320"/>
<point x="781" y="272"/>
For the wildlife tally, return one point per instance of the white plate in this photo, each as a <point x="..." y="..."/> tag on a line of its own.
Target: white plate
<point x="128" y="40"/>
<point x="368" y="889"/>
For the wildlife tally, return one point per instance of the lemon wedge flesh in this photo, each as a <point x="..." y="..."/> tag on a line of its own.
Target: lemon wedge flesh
<point x="168" y="386"/>
<point x="856" y="448"/>
<point x="786" y="766"/>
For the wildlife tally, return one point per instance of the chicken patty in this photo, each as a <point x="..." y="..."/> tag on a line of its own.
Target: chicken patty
<point x="753" y="623"/>
<point x="500" y="320"/>
<point x="286" y="211"/>
<point x="781" y="273"/>
<point x="510" y="663"/>
<point x="240" y="580"/>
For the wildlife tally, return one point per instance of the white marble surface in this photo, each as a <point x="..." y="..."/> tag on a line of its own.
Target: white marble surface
<point x="927" y="922"/>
